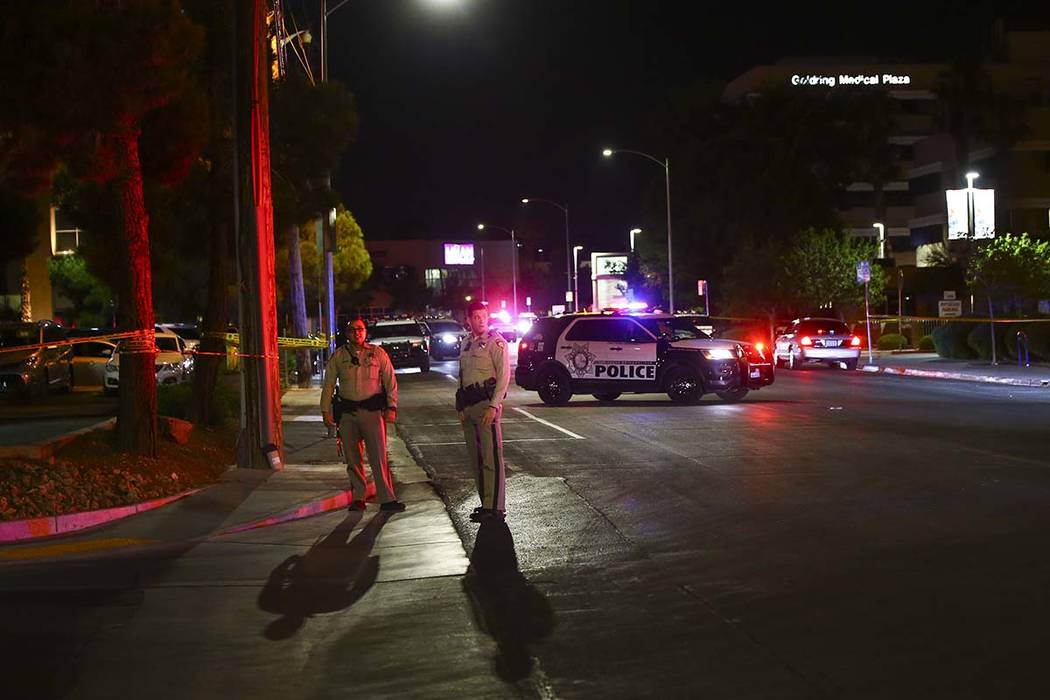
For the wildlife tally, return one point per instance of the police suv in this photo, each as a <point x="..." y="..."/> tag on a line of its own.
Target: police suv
<point x="609" y="354"/>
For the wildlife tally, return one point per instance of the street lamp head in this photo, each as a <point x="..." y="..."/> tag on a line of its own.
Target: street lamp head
<point x="972" y="175"/>
<point x="607" y="152"/>
<point x="577" y="247"/>
<point x="524" y="200"/>
<point x="481" y="227"/>
<point x="636" y="231"/>
<point x="878" y="226"/>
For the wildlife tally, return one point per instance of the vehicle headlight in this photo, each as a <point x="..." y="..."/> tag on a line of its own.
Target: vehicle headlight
<point x="448" y="339"/>
<point x="718" y="353"/>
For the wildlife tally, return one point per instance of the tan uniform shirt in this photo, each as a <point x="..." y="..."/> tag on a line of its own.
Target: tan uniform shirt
<point x="482" y="358"/>
<point x="372" y="374"/>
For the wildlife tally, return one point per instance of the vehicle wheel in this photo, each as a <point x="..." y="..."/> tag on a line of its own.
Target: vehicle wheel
<point x="607" y="396"/>
<point x="554" y="389"/>
<point x="850" y="365"/>
<point x="733" y="395"/>
<point x="424" y="366"/>
<point x="684" y="385"/>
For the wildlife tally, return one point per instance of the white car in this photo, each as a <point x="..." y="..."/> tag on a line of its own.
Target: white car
<point x="173" y="361"/>
<point x="405" y="341"/>
<point x="827" y="340"/>
<point x="190" y="334"/>
<point x="90" y="359"/>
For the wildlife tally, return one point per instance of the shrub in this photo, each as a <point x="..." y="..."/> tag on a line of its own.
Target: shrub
<point x="980" y="341"/>
<point x="926" y="344"/>
<point x="950" y="341"/>
<point x="891" y="341"/>
<point x="174" y="400"/>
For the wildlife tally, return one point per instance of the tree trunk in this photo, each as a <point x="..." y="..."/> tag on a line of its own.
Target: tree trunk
<point x="27" y="302"/>
<point x="137" y="414"/>
<point x="300" y="327"/>
<point x="206" y="366"/>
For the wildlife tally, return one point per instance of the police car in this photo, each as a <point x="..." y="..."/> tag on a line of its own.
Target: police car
<point x="606" y="355"/>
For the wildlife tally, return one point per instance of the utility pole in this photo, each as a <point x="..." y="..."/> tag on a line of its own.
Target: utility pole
<point x="260" y="440"/>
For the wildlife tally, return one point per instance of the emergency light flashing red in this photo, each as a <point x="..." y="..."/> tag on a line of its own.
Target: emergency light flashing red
<point x="855" y="341"/>
<point x="806" y="340"/>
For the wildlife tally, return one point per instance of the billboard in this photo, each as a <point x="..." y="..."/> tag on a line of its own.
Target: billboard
<point x="959" y="213"/>
<point x="459" y="253"/>
<point x="607" y="280"/>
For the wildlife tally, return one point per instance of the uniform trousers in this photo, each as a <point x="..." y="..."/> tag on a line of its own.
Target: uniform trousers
<point x="367" y="426"/>
<point x="485" y="450"/>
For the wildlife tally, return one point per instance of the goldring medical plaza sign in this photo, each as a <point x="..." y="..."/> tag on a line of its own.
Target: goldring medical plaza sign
<point x="861" y="79"/>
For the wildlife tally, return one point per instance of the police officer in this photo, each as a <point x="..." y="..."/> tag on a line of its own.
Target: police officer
<point x="484" y="373"/>
<point x="368" y="398"/>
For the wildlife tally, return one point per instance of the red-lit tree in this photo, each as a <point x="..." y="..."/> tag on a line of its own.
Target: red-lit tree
<point x="117" y="66"/>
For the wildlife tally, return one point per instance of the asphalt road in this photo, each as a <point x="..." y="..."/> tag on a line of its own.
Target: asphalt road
<point x="834" y="535"/>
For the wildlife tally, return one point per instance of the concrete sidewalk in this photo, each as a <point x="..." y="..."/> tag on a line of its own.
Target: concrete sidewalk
<point x="932" y="366"/>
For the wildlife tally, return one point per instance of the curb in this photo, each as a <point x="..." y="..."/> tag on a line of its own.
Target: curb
<point x="45" y="449"/>
<point x="21" y="530"/>
<point x="956" y="376"/>
<point x="324" y="505"/>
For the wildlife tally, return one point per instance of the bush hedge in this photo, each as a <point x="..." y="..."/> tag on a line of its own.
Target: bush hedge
<point x="174" y="400"/>
<point x="1038" y="340"/>
<point x="891" y="341"/>
<point x="926" y="344"/>
<point x="950" y="341"/>
<point x="980" y="341"/>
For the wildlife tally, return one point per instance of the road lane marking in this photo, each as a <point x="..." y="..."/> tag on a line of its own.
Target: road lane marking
<point x="547" y="423"/>
<point x="460" y="442"/>
<point x="51" y="550"/>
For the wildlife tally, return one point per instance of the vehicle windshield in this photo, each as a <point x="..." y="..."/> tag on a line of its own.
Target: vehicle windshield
<point x="674" y="328"/>
<point x="167" y="344"/>
<point x="822" y="327"/>
<point x="444" y="327"/>
<point x="13" y="337"/>
<point x="394" y="330"/>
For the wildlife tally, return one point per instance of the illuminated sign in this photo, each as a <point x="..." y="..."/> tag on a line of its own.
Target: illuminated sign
<point x="959" y="203"/>
<point x="459" y="253"/>
<point x="850" y="80"/>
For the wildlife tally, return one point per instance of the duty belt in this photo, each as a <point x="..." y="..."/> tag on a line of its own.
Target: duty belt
<point x="475" y="393"/>
<point x="340" y="405"/>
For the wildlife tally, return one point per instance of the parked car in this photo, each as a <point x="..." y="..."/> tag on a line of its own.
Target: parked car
<point x="89" y="363"/>
<point x="446" y="335"/>
<point x="405" y="341"/>
<point x="32" y="372"/>
<point x="826" y="340"/>
<point x="174" y="363"/>
<point x="189" y="332"/>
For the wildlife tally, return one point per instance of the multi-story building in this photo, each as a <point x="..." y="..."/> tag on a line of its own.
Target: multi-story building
<point x="915" y="211"/>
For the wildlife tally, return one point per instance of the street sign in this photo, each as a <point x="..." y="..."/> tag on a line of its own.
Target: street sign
<point x="949" y="308"/>
<point x="863" y="272"/>
<point x="557" y="309"/>
<point x="949" y="293"/>
<point x="568" y="296"/>
<point x="701" y="288"/>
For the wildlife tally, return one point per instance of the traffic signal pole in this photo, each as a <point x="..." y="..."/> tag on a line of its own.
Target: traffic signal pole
<point x="260" y="442"/>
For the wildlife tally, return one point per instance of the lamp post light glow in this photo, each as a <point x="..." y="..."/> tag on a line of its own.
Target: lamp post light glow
<point x="970" y="177"/>
<point x="881" y="228"/>
<point x="568" y="254"/>
<point x="666" y="165"/>
<point x="634" y="232"/>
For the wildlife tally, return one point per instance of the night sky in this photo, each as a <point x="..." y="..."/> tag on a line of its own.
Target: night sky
<point x="465" y="110"/>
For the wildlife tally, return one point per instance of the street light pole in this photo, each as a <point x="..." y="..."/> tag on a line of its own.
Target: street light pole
<point x="576" y="276"/>
<point x="634" y="232"/>
<point x="568" y="260"/>
<point x="666" y="165"/>
<point x="513" y="263"/>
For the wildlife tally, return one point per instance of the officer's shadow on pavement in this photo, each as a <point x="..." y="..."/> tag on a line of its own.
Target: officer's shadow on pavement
<point x="506" y="606"/>
<point x="333" y="575"/>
